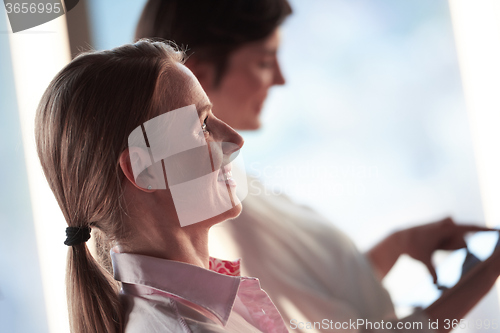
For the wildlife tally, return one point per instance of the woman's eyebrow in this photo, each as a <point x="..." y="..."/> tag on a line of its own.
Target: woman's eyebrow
<point x="205" y="108"/>
<point x="268" y="50"/>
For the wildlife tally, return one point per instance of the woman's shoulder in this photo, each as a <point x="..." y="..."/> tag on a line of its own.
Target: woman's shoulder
<point x="150" y="314"/>
<point x="157" y="313"/>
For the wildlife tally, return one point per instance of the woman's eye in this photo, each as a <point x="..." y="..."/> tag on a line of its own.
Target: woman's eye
<point x="266" y="64"/>
<point x="204" y="128"/>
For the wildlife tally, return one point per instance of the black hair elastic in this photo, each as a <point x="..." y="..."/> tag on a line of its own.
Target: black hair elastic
<point x="77" y="235"/>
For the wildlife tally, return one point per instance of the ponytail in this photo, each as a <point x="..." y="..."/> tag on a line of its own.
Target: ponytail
<point x="92" y="294"/>
<point x="82" y="126"/>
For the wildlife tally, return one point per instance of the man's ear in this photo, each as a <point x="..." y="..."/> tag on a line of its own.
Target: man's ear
<point x="136" y="166"/>
<point x="204" y="72"/>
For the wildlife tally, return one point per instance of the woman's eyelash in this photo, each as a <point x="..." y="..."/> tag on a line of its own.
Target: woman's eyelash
<point x="266" y="64"/>
<point x="204" y="128"/>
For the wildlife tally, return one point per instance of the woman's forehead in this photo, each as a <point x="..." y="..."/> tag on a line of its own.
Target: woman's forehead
<point x="182" y="88"/>
<point x="268" y="45"/>
<point x="194" y="90"/>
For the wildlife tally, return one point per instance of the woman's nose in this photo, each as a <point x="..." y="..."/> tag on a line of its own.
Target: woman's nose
<point x="233" y="139"/>
<point x="279" y="79"/>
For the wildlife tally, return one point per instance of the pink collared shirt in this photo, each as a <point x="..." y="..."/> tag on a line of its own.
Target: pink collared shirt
<point x="161" y="295"/>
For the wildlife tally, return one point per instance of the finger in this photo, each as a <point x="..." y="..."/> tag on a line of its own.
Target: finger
<point x="473" y="228"/>
<point x="431" y="270"/>
<point x="453" y="243"/>
<point x="447" y="220"/>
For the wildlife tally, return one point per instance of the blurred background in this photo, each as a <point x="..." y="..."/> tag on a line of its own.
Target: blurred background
<point x="388" y="119"/>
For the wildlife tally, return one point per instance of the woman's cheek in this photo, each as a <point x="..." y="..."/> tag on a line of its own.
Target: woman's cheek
<point x="265" y="78"/>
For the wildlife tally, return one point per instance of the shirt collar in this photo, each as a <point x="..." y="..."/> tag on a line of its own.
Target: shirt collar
<point x="215" y="290"/>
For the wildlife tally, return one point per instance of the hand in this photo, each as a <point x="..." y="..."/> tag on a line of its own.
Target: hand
<point x="420" y="242"/>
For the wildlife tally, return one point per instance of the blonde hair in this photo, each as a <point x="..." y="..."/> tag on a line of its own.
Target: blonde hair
<point x="82" y="125"/>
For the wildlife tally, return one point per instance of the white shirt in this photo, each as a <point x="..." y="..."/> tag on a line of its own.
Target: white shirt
<point x="311" y="270"/>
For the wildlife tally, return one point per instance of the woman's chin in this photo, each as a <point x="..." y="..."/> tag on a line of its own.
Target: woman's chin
<point x="250" y="125"/>
<point x="247" y="122"/>
<point x="227" y="215"/>
<point x="230" y="213"/>
<point x="235" y="211"/>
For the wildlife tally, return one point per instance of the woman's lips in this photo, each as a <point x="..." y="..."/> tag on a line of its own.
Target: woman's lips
<point x="226" y="176"/>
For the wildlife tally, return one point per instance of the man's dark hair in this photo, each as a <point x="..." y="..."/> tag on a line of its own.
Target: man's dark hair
<point x="211" y="29"/>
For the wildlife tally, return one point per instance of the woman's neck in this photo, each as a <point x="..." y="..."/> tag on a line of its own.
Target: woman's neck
<point x="161" y="237"/>
<point x="153" y="229"/>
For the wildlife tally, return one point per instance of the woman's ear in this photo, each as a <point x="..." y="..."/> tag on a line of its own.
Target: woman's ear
<point x="137" y="167"/>
<point x="204" y="72"/>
